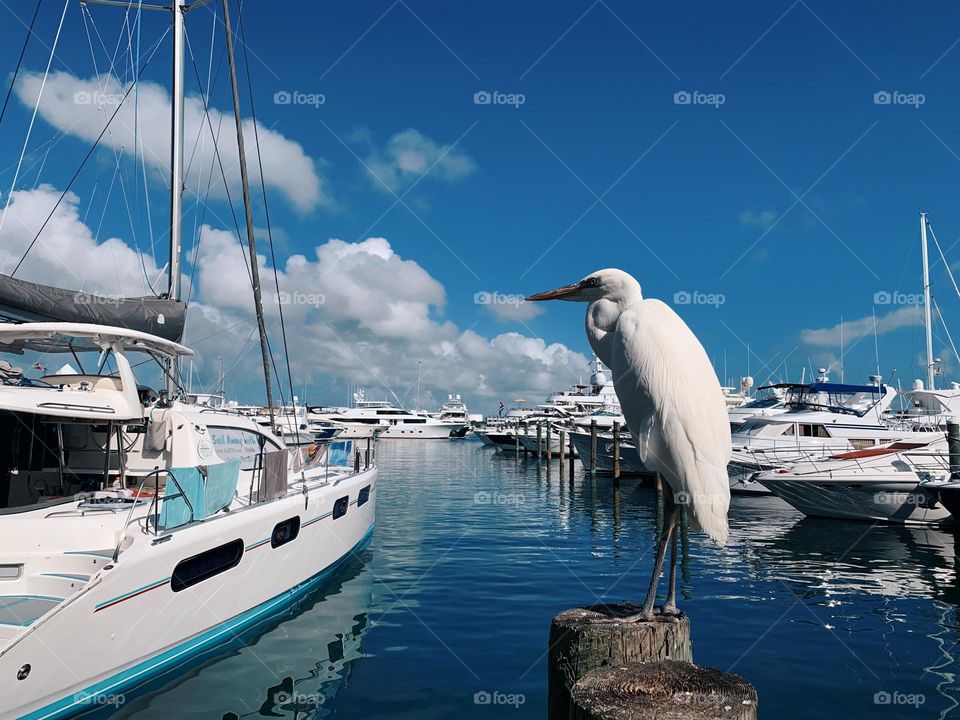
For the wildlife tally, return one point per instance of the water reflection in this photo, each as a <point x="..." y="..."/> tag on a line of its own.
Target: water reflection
<point x="290" y="667"/>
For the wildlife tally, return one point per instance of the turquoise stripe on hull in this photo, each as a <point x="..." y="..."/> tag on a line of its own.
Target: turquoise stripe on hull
<point x="116" y="684"/>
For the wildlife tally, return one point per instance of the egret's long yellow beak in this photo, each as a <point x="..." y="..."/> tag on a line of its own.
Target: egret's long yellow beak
<point x="558" y="294"/>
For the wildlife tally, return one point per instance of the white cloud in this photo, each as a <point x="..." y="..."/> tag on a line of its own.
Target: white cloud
<point x="763" y="219"/>
<point x="360" y="312"/>
<point x="518" y="311"/>
<point x="82" y="106"/>
<point x="852" y="330"/>
<point x="357" y="312"/>
<point x="408" y="155"/>
<point x="66" y="254"/>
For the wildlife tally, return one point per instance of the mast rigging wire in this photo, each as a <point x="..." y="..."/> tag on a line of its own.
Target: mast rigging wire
<point x="23" y="51"/>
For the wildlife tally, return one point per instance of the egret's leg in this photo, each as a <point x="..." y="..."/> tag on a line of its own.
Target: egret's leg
<point x="668" y="526"/>
<point x="670" y="606"/>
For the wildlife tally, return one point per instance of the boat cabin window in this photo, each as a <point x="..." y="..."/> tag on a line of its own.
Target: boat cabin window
<point x="789" y="431"/>
<point x="809" y="430"/>
<point x="206" y="565"/>
<point x="340" y="507"/>
<point x="364" y="496"/>
<point x="47" y="460"/>
<point x="285" y="532"/>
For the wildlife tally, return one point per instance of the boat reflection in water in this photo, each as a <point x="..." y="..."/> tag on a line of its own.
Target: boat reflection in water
<point x="290" y="666"/>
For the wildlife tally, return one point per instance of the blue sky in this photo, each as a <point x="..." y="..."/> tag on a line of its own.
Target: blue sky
<point x="783" y="189"/>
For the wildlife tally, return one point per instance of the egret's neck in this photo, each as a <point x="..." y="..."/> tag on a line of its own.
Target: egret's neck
<point x="601" y="321"/>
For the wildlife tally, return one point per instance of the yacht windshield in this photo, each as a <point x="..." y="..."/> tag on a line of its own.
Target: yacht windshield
<point x="853" y="399"/>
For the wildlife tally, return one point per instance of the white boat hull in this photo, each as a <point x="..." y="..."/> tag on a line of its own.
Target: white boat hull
<point x="127" y="624"/>
<point x="859" y="497"/>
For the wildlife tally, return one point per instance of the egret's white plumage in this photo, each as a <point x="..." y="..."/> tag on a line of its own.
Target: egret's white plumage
<point x="668" y="391"/>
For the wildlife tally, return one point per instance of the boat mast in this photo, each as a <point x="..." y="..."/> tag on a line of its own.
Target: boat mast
<point x="251" y="241"/>
<point x="178" y="9"/>
<point x="419" y="363"/>
<point x="927" y="321"/>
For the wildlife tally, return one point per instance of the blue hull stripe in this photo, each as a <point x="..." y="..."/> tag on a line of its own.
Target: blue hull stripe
<point x="82" y="700"/>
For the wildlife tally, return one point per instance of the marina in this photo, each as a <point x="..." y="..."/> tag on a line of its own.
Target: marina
<point x="268" y="448"/>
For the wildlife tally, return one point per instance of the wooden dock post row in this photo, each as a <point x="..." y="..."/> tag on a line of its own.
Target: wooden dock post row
<point x="605" y="665"/>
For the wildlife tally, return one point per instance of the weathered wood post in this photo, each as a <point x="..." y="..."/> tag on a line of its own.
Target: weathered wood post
<point x="516" y="437"/>
<point x="662" y="690"/>
<point x="616" y="451"/>
<point x="366" y="463"/>
<point x="593" y="447"/>
<point x="539" y="440"/>
<point x="586" y="638"/>
<point x="953" y="446"/>
<point x="563" y="445"/>
<point x="547" y="452"/>
<point x="572" y="455"/>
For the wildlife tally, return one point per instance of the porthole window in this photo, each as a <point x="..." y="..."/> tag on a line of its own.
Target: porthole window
<point x="285" y="532"/>
<point x="340" y="507"/>
<point x="206" y="565"/>
<point x="364" y="496"/>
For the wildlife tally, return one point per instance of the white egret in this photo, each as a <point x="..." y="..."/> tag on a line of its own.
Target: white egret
<point x="671" y="400"/>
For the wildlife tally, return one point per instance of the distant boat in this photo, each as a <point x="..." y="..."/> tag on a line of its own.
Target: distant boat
<point x="395" y="423"/>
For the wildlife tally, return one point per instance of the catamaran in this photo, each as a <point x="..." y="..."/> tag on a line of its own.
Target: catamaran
<point x="140" y="528"/>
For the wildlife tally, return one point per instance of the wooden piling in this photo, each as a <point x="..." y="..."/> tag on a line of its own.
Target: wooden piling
<point x="572" y="454"/>
<point x="563" y="445"/>
<point x="616" y="451"/>
<point x="665" y="690"/>
<point x="583" y="639"/>
<point x="539" y="440"/>
<point x="953" y="448"/>
<point x="516" y="438"/>
<point x="593" y="447"/>
<point x="548" y="453"/>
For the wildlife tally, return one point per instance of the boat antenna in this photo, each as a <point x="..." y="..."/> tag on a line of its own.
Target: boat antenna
<point x="248" y="213"/>
<point x="927" y="319"/>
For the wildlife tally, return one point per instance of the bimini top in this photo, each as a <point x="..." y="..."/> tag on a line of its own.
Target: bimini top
<point x="828" y="387"/>
<point x="52" y="337"/>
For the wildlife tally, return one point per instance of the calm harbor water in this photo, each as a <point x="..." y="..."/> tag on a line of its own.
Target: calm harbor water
<point x="475" y="551"/>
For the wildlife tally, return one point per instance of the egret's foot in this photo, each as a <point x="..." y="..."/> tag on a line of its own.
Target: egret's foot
<point x="668" y="613"/>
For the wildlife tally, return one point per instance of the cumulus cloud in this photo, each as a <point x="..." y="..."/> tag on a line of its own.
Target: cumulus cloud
<point x="81" y="107"/>
<point x="362" y="313"/>
<point x="515" y="309"/>
<point x="354" y="311"/>
<point x="409" y="155"/>
<point x="852" y="330"/>
<point x="67" y="254"/>
<point x="763" y="219"/>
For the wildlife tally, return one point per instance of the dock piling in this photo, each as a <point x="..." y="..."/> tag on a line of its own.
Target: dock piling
<point x="616" y="451"/>
<point x="953" y="445"/>
<point x="539" y="440"/>
<point x="593" y="447"/>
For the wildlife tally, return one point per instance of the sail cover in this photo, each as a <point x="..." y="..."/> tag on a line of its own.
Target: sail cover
<point x="23" y="301"/>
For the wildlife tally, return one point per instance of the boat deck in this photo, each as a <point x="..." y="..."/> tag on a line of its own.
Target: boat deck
<point x="22" y="610"/>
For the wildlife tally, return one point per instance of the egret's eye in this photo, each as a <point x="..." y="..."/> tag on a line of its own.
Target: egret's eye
<point x="590" y="282"/>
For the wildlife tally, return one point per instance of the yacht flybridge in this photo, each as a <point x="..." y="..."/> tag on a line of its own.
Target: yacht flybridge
<point x="117" y="504"/>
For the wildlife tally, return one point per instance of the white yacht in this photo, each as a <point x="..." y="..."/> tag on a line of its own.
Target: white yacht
<point x="897" y="482"/>
<point x="395" y="423"/>
<point x="820" y="419"/>
<point x="455" y="410"/>
<point x="151" y="531"/>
